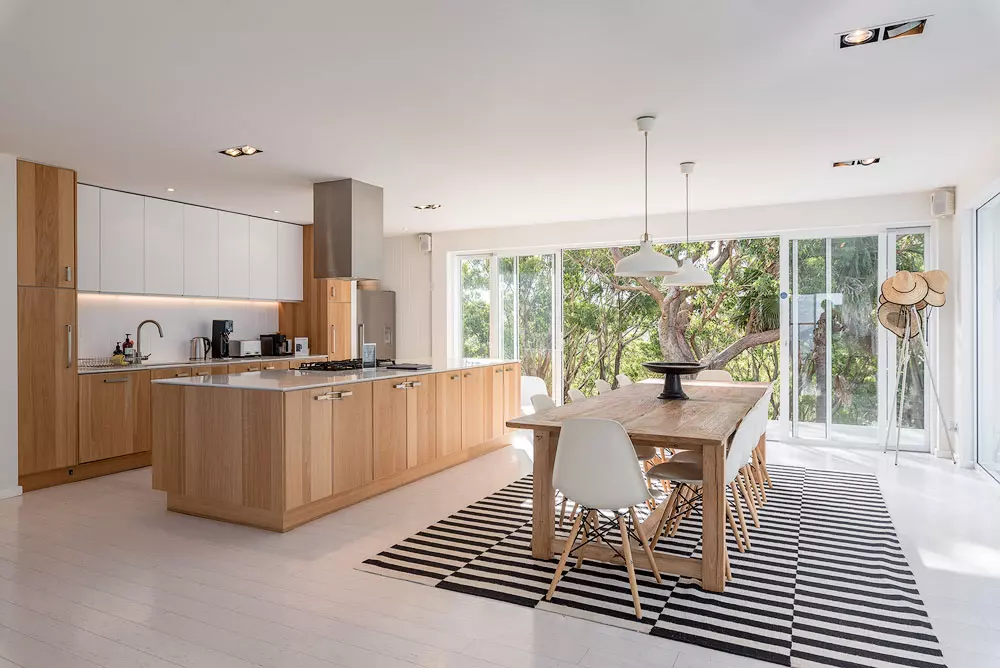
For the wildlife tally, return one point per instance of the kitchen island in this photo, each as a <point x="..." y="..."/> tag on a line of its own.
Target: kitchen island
<point x="277" y="449"/>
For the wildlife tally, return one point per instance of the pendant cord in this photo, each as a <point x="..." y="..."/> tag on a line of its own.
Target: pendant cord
<point x="645" y="176"/>
<point x="687" y="208"/>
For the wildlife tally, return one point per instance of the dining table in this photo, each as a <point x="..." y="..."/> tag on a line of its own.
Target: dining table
<point x="704" y="422"/>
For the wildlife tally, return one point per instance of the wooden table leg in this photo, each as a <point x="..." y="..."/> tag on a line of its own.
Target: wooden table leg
<point x="713" y="529"/>
<point x="543" y="497"/>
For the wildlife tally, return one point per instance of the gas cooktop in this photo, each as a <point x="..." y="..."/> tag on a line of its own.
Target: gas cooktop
<point x="341" y="365"/>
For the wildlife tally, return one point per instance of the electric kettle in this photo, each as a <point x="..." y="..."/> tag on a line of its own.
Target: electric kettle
<point x="200" y="345"/>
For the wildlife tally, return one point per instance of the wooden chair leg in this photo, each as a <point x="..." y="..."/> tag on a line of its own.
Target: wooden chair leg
<point x="629" y="566"/>
<point x="739" y="513"/>
<point x="763" y="466"/>
<point x="729" y="570"/>
<point x="749" y="500"/>
<point x="747" y="479"/>
<point x="736" y="531"/>
<point x="758" y="481"/>
<point x="671" y="503"/>
<point x="565" y="555"/>
<point x="562" y="512"/>
<point x="585" y="518"/>
<point x="645" y="545"/>
<point x="682" y="498"/>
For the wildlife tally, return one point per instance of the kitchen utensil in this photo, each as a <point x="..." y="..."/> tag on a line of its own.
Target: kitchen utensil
<point x="200" y="347"/>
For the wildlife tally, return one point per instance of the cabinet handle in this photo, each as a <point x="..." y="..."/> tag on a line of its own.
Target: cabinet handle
<point x="498" y="371"/>
<point x="455" y="377"/>
<point x="268" y="368"/>
<point x="69" y="274"/>
<point x="333" y="396"/>
<point x="468" y="375"/>
<point x="333" y="337"/>
<point x="333" y="291"/>
<point x="415" y="383"/>
<point x="344" y="395"/>
<point x="116" y="380"/>
<point x="69" y="346"/>
<point x="180" y="375"/>
<point x="202" y="373"/>
<point x="400" y="386"/>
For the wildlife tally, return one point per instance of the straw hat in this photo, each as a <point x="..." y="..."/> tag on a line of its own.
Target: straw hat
<point x="905" y="288"/>
<point x="895" y="318"/>
<point x="920" y="305"/>
<point x="937" y="283"/>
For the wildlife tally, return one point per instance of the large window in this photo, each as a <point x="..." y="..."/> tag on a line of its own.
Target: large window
<point x="527" y="320"/>
<point x="988" y="326"/>
<point x="474" y="282"/>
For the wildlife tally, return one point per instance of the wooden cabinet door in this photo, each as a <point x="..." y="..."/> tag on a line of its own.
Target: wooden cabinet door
<point x="494" y="402"/>
<point x="47" y="395"/>
<point x="109" y="405"/>
<point x="389" y="426"/>
<point x="337" y="291"/>
<point x="309" y="446"/>
<point x="122" y="242"/>
<point x="339" y="331"/>
<point x="209" y="370"/>
<point x="46" y="226"/>
<point x="172" y="372"/>
<point x="511" y="391"/>
<point x="243" y="367"/>
<point x="421" y="420"/>
<point x="352" y="437"/>
<point x="473" y="407"/>
<point x="449" y="412"/>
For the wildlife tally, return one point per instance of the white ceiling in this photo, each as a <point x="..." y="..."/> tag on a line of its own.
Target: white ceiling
<point x="504" y="112"/>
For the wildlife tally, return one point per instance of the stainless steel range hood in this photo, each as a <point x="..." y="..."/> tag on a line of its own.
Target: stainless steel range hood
<point x="347" y="234"/>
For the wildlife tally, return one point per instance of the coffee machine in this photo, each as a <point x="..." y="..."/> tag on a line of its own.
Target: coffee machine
<point x="274" y="345"/>
<point x="221" y="329"/>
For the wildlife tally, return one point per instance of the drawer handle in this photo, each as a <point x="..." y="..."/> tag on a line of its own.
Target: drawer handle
<point x="415" y="383"/>
<point x="334" y="396"/>
<point x="268" y="368"/>
<point x="202" y="373"/>
<point x="455" y="377"/>
<point x="498" y="371"/>
<point x="69" y="274"/>
<point x="400" y="386"/>
<point x="116" y="380"/>
<point x="468" y="375"/>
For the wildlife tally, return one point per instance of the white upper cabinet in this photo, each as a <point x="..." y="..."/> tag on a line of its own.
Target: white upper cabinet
<point x="263" y="259"/>
<point x="201" y="251"/>
<point x="121" y="244"/>
<point x="88" y="235"/>
<point x="289" y="262"/>
<point x="164" y="247"/>
<point x="143" y="245"/>
<point x="234" y="255"/>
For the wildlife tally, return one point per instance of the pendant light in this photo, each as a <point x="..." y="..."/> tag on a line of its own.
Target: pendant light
<point x="646" y="262"/>
<point x="690" y="273"/>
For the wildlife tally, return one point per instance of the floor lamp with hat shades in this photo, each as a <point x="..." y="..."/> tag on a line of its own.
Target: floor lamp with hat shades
<point x="905" y="306"/>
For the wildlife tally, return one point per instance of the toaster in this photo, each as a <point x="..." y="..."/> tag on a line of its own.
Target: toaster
<point x="244" y="348"/>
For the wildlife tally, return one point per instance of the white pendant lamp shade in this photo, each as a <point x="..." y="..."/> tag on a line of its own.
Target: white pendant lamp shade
<point x="646" y="262"/>
<point x="690" y="274"/>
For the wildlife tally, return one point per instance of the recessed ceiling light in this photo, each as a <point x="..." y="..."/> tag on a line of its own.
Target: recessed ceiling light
<point x="240" y="151"/>
<point x="862" y="162"/>
<point x="859" y="36"/>
<point x="426" y="207"/>
<point x="904" y="29"/>
<point x="170" y="190"/>
<point x="276" y="211"/>
<point x="406" y="229"/>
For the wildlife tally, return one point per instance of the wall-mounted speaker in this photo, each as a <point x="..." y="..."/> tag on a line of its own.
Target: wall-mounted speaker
<point x="943" y="203"/>
<point x="424" y="243"/>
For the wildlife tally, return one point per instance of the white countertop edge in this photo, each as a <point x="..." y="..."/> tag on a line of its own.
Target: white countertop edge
<point x="209" y="362"/>
<point x="295" y="380"/>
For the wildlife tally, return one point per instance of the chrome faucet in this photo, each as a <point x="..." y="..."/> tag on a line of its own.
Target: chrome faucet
<point x="138" y="338"/>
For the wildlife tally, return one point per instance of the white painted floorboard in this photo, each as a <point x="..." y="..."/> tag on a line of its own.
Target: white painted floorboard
<point x="97" y="573"/>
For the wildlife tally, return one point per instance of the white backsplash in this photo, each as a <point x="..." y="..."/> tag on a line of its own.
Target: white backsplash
<point x="104" y="320"/>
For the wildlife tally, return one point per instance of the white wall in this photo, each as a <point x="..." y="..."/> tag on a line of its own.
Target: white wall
<point x="407" y="271"/>
<point x="103" y="320"/>
<point x="8" y="326"/>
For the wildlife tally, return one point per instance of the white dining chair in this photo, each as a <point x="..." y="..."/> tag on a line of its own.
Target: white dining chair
<point x="623" y="380"/>
<point x="530" y="386"/>
<point x="715" y="375"/>
<point x="603" y="386"/>
<point x="596" y="468"/>
<point x="576" y="395"/>
<point x="542" y="402"/>
<point x="684" y="470"/>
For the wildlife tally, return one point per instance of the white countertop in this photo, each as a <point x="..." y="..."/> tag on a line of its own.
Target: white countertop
<point x="295" y="379"/>
<point x="208" y="362"/>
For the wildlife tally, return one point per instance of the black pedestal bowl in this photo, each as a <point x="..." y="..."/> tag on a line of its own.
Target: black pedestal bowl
<point x="672" y="372"/>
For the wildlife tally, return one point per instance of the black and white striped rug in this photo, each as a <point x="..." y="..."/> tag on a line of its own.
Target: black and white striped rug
<point x="826" y="583"/>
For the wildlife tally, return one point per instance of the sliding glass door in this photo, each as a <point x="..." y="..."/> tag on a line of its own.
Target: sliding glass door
<point x="527" y="322"/>
<point x="839" y="363"/>
<point x="988" y="331"/>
